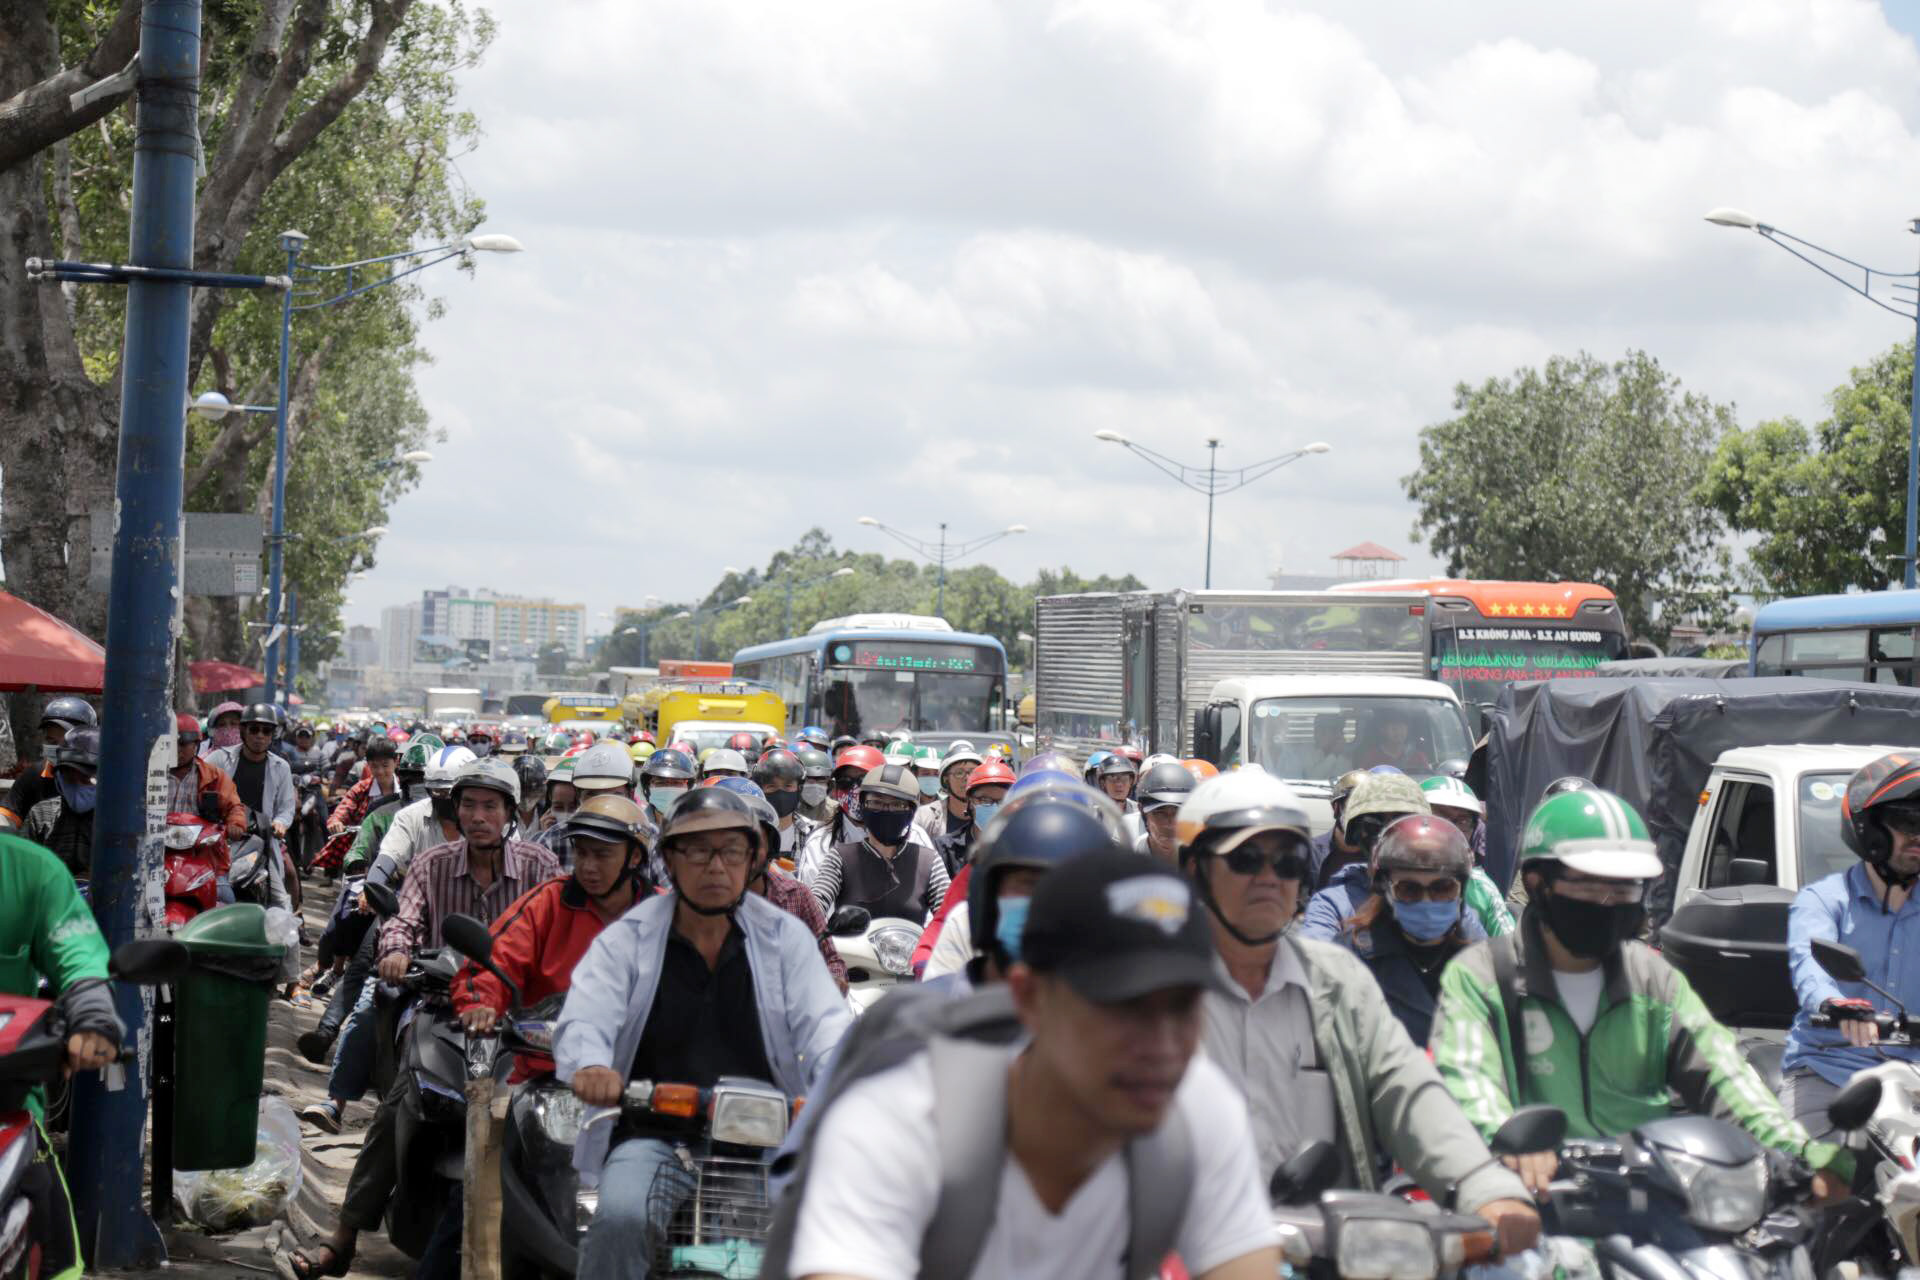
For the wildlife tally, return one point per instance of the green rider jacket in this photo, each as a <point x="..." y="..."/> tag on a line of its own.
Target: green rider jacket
<point x="1651" y="1042"/>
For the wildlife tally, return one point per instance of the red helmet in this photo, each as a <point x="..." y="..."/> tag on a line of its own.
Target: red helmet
<point x="1132" y="753"/>
<point x="645" y="735"/>
<point x="743" y="742"/>
<point x="993" y="773"/>
<point x="586" y="738"/>
<point x="865" y="759"/>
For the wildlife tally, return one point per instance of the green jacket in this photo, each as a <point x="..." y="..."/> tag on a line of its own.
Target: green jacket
<point x="1652" y="1042"/>
<point x="1485" y="902"/>
<point x="1385" y="1091"/>
<point x="367" y="843"/>
<point x="47" y="930"/>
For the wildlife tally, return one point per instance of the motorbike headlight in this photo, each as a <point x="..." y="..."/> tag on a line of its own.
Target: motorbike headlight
<point x="1720" y="1197"/>
<point x="749" y="1117"/>
<point x="893" y="948"/>
<point x="560" y="1115"/>
<point x="1385" y="1249"/>
<point x="180" y="836"/>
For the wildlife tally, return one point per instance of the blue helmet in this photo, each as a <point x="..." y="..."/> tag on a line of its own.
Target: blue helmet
<point x="741" y="787"/>
<point x="1049" y="762"/>
<point x="1386" y="768"/>
<point x="815" y="735"/>
<point x="1047" y="830"/>
<point x="763" y="811"/>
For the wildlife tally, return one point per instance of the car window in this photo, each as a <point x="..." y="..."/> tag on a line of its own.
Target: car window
<point x="1743" y="828"/>
<point x="1822" y="849"/>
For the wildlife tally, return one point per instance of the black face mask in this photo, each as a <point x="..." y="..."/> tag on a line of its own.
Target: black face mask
<point x="1591" y="930"/>
<point x="784" y="802"/>
<point x="889" y="828"/>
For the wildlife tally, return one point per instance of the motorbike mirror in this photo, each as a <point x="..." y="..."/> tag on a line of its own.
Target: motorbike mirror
<point x="150" y="962"/>
<point x="1305" y="1174"/>
<point x="384" y="901"/>
<point x="1855" y="1104"/>
<point x="1839" y="960"/>
<point x="1530" y="1129"/>
<point x="470" y="938"/>
<point x="849" y="920"/>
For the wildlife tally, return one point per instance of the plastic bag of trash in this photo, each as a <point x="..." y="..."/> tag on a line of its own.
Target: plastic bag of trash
<point x="234" y="1199"/>
<point x="283" y="927"/>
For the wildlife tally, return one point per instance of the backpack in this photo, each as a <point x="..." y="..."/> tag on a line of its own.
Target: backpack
<point x="967" y="1039"/>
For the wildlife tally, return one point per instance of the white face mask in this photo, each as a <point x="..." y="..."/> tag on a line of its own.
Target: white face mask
<point x="813" y="794"/>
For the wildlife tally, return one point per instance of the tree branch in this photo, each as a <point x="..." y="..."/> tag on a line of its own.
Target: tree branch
<point x="40" y="115"/>
<point x="387" y="16"/>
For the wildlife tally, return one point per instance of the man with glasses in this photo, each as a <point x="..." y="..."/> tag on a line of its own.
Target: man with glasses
<point x="1871" y="908"/>
<point x="263" y="778"/>
<point x="1163" y="789"/>
<point x="672" y="991"/>
<point x="1301" y="1027"/>
<point x="1572" y="1011"/>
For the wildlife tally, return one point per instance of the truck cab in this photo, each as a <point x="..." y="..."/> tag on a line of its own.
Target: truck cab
<point x="1768" y="824"/>
<point x="1310" y="729"/>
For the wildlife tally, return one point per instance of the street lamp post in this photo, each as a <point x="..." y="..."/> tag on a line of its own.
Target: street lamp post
<point x="1747" y="222"/>
<point x="939" y="552"/>
<point x="291" y="242"/>
<point x="1210" y="480"/>
<point x="787" y="628"/>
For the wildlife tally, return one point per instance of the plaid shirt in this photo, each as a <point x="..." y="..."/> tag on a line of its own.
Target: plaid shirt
<point x="439" y="885"/>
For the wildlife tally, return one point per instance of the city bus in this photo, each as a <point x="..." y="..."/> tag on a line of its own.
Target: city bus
<point x="882" y="672"/>
<point x="1483" y="634"/>
<point x="1866" y="636"/>
<point x="581" y="706"/>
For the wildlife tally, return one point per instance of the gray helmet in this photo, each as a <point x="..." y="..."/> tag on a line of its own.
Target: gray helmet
<point x="725" y="758"/>
<point x="896" y="780"/>
<point x="80" y="750"/>
<point x="604" y="766"/>
<point x="73" y="712"/>
<point x="493" y="774"/>
<point x="1163" y="785"/>
<point x="815" y="763"/>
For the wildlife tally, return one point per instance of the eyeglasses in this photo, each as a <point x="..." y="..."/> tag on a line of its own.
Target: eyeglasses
<point x="1594" y="889"/>
<point x="700" y="855"/>
<point x="884" y="804"/>
<point x="1286" y="864"/>
<point x="1443" y="890"/>
<point x="256" y="728"/>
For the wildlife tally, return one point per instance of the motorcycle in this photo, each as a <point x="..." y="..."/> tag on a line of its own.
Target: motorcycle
<point x="309" y="831"/>
<point x="36" y="1221"/>
<point x="1379" y="1235"/>
<point x="878" y="952"/>
<point x="195" y="850"/>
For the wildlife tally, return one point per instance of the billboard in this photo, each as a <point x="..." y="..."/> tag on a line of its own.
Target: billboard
<point x="438" y="651"/>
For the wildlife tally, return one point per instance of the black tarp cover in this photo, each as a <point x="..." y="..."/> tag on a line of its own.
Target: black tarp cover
<point x="1653" y="742"/>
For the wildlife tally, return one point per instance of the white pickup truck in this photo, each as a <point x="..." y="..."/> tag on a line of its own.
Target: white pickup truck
<point x="1768" y="823"/>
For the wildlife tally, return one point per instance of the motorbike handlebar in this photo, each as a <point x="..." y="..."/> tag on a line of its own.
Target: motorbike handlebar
<point x="1894" y="1029"/>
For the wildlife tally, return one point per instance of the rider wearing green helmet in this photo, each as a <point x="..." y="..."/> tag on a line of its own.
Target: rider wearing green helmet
<point x="1454" y="800"/>
<point x="1573" y="1011"/>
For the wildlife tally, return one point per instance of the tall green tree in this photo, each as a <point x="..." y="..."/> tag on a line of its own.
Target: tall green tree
<point x="1829" y="502"/>
<point x="1581" y="471"/>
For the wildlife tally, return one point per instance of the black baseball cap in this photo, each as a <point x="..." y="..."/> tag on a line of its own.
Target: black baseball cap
<point x="1117" y="926"/>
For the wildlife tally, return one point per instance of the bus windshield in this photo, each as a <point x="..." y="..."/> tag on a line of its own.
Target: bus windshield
<point x="1476" y="659"/>
<point x="1318" y="739"/>
<point x="859" y="701"/>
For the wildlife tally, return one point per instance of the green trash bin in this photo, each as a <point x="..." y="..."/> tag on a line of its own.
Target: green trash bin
<point x="220" y="1036"/>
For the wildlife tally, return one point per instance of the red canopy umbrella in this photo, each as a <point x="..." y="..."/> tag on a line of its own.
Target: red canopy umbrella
<point x="222" y="677"/>
<point x="40" y="651"/>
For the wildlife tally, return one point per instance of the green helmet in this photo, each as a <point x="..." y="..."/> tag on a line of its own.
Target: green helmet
<point x="419" y="753"/>
<point x="1593" y="832"/>
<point x="1450" y="793"/>
<point x="562" y="771"/>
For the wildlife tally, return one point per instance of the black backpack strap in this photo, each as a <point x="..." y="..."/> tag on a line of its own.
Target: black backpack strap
<point x="1159" y="1185"/>
<point x="1506" y="975"/>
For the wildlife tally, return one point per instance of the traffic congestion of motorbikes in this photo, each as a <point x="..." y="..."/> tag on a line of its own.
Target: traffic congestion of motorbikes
<point x="806" y="1003"/>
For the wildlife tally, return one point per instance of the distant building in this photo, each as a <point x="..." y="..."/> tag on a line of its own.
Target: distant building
<point x="400" y="630"/>
<point x="1368" y="560"/>
<point x="482" y="626"/>
<point x="362" y="648"/>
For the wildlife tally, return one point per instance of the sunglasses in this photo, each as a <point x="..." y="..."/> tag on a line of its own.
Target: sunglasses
<point x="1248" y="861"/>
<point x="1447" y="890"/>
<point x="1903" y="823"/>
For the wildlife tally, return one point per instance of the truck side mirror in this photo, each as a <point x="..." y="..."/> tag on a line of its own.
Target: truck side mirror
<point x="1206" y="733"/>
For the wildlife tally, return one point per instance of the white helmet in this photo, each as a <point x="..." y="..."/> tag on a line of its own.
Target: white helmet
<point x="1237" y="806"/>
<point x="604" y="766"/>
<point x="721" y="758"/>
<point x="444" y="765"/>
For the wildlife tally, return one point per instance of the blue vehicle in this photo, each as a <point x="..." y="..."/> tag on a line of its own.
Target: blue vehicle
<point x="1866" y="636"/>
<point x="887" y="672"/>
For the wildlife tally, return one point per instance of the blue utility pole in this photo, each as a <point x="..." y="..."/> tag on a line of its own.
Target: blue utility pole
<point x="143" y="609"/>
<point x="291" y="241"/>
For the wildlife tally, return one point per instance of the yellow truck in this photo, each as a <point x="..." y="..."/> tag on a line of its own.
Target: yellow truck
<point x="707" y="715"/>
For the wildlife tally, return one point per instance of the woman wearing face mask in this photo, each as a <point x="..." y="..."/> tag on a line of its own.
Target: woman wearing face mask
<point x="223" y="728"/>
<point x="884" y="871"/>
<point x="1415" y="920"/>
<point x="849" y="767"/>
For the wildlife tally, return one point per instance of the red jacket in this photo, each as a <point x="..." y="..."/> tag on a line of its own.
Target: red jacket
<point x="956" y="893"/>
<point x="216" y="780"/>
<point x="354" y="804"/>
<point x="537" y="940"/>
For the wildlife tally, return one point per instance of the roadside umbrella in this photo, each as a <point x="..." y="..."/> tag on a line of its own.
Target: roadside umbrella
<point x="222" y="677"/>
<point x="38" y="650"/>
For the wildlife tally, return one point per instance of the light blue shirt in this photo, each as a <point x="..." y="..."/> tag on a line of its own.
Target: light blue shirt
<point x="1846" y="908"/>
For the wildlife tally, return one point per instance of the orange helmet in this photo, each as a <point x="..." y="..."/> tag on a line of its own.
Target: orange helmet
<point x="1200" y="769"/>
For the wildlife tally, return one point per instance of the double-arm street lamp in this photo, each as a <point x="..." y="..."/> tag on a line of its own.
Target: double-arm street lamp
<point x="1210" y="479"/>
<point x="792" y="584"/>
<point x="939" y="551"/>
<point x="1905" y="285"/>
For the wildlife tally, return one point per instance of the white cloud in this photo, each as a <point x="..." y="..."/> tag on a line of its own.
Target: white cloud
<point x="791" y="264"/>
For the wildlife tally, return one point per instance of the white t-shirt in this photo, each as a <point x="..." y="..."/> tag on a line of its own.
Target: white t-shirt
<point x="1580" y="995"/>
<point x="874" y="1184"/>
<point x="954" y="947"/>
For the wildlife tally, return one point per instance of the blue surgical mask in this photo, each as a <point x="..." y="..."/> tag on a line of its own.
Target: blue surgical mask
<point x="930" y="787"/>
<point x="1427" y="921"/>
<point x="662" y="798"/>
<point x="78" y="795"/>
<point x="1009" y="924"/>
<point x="983" y="814"/>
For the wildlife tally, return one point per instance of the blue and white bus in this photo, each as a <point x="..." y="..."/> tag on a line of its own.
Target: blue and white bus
<point x="1867" y="636"/>
<point x="881" y="672"/>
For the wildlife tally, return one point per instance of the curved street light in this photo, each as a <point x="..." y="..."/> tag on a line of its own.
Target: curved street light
<point x="940" y="552"/>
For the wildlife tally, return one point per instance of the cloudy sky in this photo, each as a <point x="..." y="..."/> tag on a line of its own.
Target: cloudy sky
<point x="792" y="264"/>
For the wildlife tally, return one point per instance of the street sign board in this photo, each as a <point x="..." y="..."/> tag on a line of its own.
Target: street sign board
<point x="222" y="553"/>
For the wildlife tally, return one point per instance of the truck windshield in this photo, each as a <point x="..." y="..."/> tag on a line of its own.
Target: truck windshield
<point x="860" y="700"/>
<point x="1822" y="851"/>
<point x="1318" y="739"/>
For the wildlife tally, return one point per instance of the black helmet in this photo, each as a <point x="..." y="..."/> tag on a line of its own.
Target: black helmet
<point x="840" y="744"/>
<point x="1572" y="782"/>
<point x="81" y="749"/>
<point x="1040" y="834"/>
<point x="533" y="773"/>
<point x="669" y="763"/>
<point x="75" y="713"/>
<point x="778" y="765"/>
<point x="1890" y="784"/>
<point x="814" y="763"/>
<point x="261" y="713"/>
<point x="1163" y="785"/>
<point x="1116" y="763"/>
